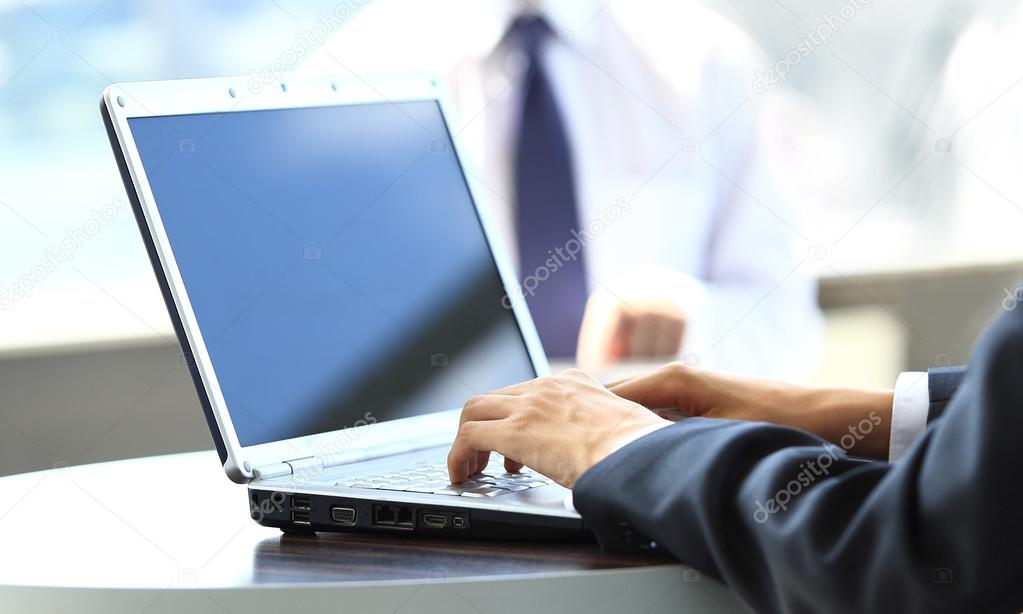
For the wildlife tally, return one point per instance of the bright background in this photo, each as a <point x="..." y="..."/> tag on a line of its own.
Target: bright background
<point x="898" y="142"/>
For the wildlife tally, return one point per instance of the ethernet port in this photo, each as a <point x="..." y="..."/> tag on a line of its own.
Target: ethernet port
<point x="393" y="516"/>
<point x="383" y="514"/>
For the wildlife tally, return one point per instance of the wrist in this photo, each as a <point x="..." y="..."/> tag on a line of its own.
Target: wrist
<point x="630" y="430"/>
<point x="858" y="420"/>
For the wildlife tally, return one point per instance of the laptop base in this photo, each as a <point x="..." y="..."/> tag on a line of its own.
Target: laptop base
<point x="300" y="513"/>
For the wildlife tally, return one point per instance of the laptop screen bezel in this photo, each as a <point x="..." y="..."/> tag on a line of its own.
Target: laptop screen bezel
<point x="124" y="101"/>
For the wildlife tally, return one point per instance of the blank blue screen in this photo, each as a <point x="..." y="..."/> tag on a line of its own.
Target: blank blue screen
<point x="334" y="261"/>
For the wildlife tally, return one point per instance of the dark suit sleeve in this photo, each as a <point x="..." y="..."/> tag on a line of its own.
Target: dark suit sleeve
<point x="942" y="384"/>
<point x="794" y="524"/>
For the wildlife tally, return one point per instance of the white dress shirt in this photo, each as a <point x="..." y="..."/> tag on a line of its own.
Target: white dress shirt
<point x="909" y="412"/>
<point x="660" y="115"/>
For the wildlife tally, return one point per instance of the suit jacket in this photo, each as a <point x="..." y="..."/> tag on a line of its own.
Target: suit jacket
<point x="942" y="384"/>
<point x="795" y="524"/>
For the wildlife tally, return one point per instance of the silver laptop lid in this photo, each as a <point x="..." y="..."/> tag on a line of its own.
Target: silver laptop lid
<point x="325" y="262"/>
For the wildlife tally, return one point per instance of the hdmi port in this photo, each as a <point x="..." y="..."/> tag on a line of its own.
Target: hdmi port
<point x="434" y="521"/>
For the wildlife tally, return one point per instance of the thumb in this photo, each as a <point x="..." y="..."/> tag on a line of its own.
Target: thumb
<point x="654" y="390"/>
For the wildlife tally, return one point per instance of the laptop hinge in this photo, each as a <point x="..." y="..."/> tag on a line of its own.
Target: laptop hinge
<point x="307" y="465"/>
<point x="275" y="470"/>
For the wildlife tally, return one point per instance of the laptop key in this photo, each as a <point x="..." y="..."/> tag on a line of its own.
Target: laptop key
<point x="514" y="477"/>
<point x="425" y="488"/>
<point x="450" y="489"/>
<point x="485" y="491"/>
<point x="373" y="485"/>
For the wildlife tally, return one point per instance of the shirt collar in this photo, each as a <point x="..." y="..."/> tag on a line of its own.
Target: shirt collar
<point x="570" y="19"/>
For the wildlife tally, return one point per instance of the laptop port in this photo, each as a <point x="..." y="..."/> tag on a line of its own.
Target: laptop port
<point x="458" y="522"/>
<point x="393" y="516"/>
<point x="300" y="517"/>
<point x="434" y="521"/>
<point x="300" y="503"/>
<point x="343" y="515"/>
<point x="383" y="514"/>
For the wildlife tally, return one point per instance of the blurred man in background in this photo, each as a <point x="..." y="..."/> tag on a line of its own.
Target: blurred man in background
<point x="620" y="146"/>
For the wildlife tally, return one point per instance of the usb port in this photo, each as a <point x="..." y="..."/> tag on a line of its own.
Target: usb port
<point x="300" y="517"/>
<point x="300" y="503"/>
<point x="343" y="515"/>
<point x="434" y="521"/>
<point x="458" y="522"/>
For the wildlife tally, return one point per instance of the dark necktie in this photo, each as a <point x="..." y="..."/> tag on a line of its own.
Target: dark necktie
<point x="553" y="273"/>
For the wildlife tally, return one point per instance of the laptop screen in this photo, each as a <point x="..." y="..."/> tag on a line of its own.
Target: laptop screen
<point x="334" y="261"/>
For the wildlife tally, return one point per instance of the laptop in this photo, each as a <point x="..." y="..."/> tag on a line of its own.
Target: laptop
<point x="338" y="293"/>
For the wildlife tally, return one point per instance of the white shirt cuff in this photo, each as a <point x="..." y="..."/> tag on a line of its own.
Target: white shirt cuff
<point x="631" y="437"/>
<point x="909" y="412"/>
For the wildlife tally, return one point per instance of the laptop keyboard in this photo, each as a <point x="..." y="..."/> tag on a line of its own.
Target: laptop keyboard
<point x="433" y="479"/>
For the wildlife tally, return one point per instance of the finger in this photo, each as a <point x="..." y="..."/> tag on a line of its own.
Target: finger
<point x="655" y="390"/>
<point x="482" y="460"/>
<point x="473" y="439"/>
<point x="485" y="407"/>
<point x="619" y="382"/>
<point x="512" y="466"/>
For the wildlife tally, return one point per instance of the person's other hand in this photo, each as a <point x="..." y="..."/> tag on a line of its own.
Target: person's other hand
<point x="698" y="392"/>
<point x="830" y="413"/>
<point x="616" y="328"/>
<point x="559" y="426"/>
